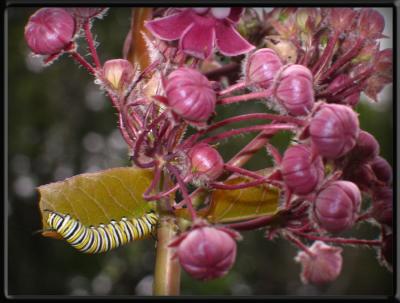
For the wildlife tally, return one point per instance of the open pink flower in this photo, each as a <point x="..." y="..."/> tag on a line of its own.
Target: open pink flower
<point x="199" y="30"/>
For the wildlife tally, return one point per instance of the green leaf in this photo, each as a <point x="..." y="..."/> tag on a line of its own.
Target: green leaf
<point x="95" y="198"/>
<point x="242" y="204"/>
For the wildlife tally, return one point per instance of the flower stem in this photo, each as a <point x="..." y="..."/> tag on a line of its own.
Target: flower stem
<point x="269" y="127"/>
<point x="167" y="270"/>
<point x="90" y="42"/>
<point x="82" y="61"/>
<point x="232" y="88"/>
<point x="349" y="241"/>
<point x="245" y="97"/>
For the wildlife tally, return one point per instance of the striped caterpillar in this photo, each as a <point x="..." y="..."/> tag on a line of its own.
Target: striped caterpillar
<point x="104" y="237"/>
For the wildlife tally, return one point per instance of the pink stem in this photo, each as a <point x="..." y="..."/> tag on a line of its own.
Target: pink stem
<point x="243" y="185"/>
<point x="246" y="97"/>
<point x="299" y="244"/>
<point x="274" y="153"/>
<point x="243" y="171"/>
<point x="326" y="55"/>
<point x="232" y="88"/>
<point x="343" y="59"/>
<point x="82" y="61"/>
<point x="250" y="149"/>
<point x="252" y="224"/>
<point x="162" y="194"/>
<point x="90" y="42"/>
<point x="340" y="240"/>
<point x="245" y="117"/>
<point x="154" y="182"/>
<point x="184" y="191"/>
<point x="270" y="127"/>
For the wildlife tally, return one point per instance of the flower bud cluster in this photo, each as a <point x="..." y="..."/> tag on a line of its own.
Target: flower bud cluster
<point x="291" y="84"/>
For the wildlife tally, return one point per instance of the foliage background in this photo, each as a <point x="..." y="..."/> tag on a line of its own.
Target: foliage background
<point x="59" y="124"/>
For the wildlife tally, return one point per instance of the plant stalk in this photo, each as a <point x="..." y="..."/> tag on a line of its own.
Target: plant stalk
<point x="167" y="270"/>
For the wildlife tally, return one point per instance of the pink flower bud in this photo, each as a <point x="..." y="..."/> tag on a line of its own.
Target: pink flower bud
<point x="382" y="170"/>
<point x="206" y="252"/>
<point x="49" y="31"/>
<point x="295" y="90"/>
<point x="334" y="130"/>
<point x="382" y="206"/>
<point x="190" y="95"/>
<point x="87" y="12"/>
<point x="262" y="67"/>
<point x="361" y="175"/>
<point x="323" y="266"/>
<point x="119" y="73"/>
<point x="337" y="205"/>
<point x="206" y="162"/>
<point x="366" y="149"/>
<point x="300" y="173"/>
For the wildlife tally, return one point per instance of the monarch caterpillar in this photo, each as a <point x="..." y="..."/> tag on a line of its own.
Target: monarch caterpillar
<point x="104" y="237"/>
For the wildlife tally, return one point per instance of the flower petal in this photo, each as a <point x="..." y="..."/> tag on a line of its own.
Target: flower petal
<point x="171" y="27"/>
<point x="198" y="40"/>
<point x="236" y="13"/>
<point x="229" y="41"/>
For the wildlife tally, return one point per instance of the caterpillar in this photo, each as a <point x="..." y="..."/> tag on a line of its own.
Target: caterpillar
<point x="104" y="237"/>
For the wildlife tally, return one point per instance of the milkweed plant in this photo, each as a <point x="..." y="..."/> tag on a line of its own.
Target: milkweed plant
<point x="309" y="66"/>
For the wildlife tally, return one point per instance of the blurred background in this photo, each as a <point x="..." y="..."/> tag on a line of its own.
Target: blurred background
<point x="60" y="124"/>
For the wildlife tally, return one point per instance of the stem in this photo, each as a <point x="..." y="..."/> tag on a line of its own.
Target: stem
<point x="340" y="240"/>
<point x="246" y="97"/>
<point x="299" y="244"/>
<point x="232" y="88"/>
<point x="185" y="194"/>
<point x="82" y="61"/>
<point x="269" y="127"/>
<point x="167" y="269"/>
<point x="241" y="186"/>
<point x="250" y="149"/>
<point x="221" y="71"/>
<point x="252" y="224"/>
<point x="343" y="59"/>
<point x="326" y="56"/>
<point x="243" y="171"/>
<point x="90" y="42"/>
<point x="245" y="117"/>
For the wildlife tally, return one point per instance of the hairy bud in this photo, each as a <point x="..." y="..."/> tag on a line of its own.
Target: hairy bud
<point x="206" y="252"/>
<point x="49" y="31"/>
<point x="262" y="67"/>
<point x="366" y="149"/>
<point x="382" y="205"/>
<point x="322" y="266"/>
<point x="295" y="90"/>
<point x="206" y="162"/>
<point x="334" y="130"/>
<point x="190" y="95"/>
<point x="336" y="206"/>
<point x="119" y="73"/>
<point x="382" y="169"/>
<point x="300" y="173"/>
